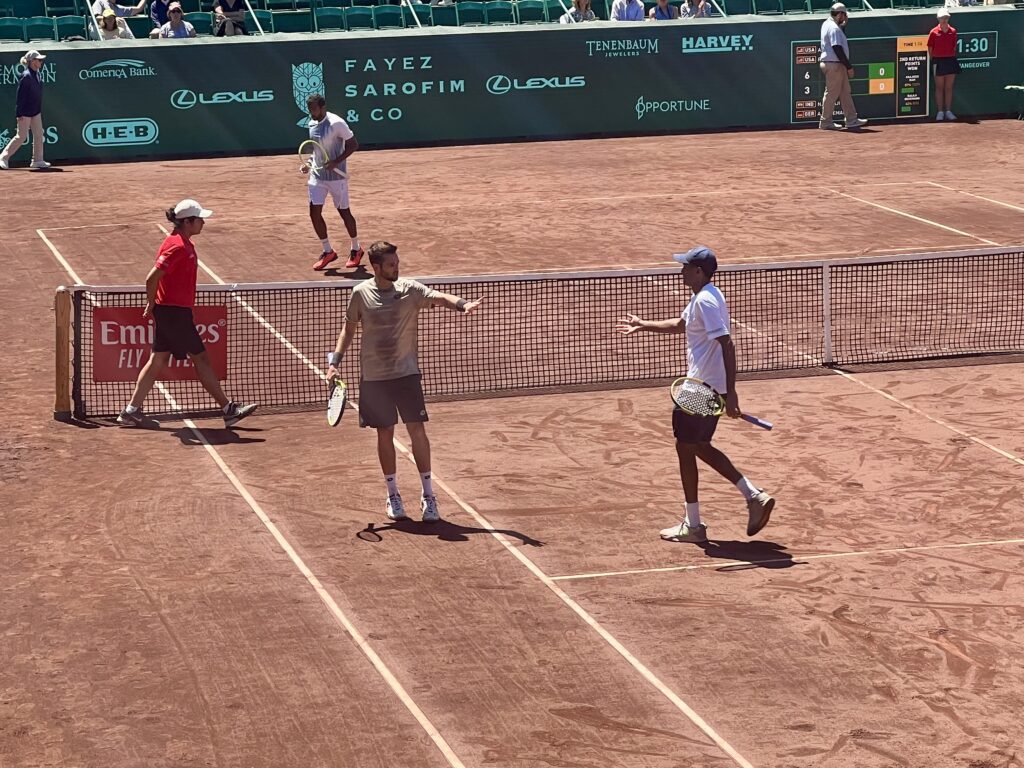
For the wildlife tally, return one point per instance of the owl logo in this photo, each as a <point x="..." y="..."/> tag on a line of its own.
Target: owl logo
<point x="307" y="79"/>
<point x="5" y="137"/>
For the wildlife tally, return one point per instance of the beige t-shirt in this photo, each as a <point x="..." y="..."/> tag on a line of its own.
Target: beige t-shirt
<point x="390" y="319"/>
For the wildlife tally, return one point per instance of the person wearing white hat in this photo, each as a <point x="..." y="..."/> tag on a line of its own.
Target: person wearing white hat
<point x="29" y="113"/>
<point x="945" y="66"/>
<point x="710" y="357"/>
<point x="170" y="297"/>
<point x="837" y="70"/>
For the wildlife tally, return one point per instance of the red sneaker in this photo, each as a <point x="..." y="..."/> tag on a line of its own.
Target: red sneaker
<point x="354" y="258"/>
<point x="325" y="258"/>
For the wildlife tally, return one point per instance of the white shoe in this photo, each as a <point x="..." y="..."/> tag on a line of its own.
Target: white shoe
<point x="950" y="115"/>
<point x="428" y="505"/>
<point x="683" y="532"/>
<point x="40" y="164"/>
<point x="940" y="116"/>
<point x="395" y="508"/>
<point x="860" y="122"/>
<point x="759" y="510"/>
<point x="3" y="164"/>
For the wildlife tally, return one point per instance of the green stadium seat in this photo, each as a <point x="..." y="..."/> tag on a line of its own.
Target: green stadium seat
<point x="388" y="17"/>
<point x="422" y="12"/>
<point x="738" y="7"/>
<point x="334" y="4"/>
<point x="293" y="21"/>
<point x="768" y="7"/>
<point x="601" y="9"/>
<point x="140" y="26"/>
<point x="40" y="28"/>
<point x="25" y="9"/>
<point x="532" y="11"/>
<point x="265" y="18"/>
<point x="280" y="5"/>
<point x="555" y="11"/>
<point x="187" y="6"/>
<point x="472" y="13"/>
<point x="795" y="7"/>
<point x="359" y="18"/>
<point x="70" y="26"/>
<point x="819" y="7"/>
<point x="444" y="15"/>
<point x="328" y="19"/>
<point x="500" y="12"/>
<point x="202" y="21"/>
<point x="364" y="2"/>
<point x="12" y="29"/>
<point x="55" y="8"/>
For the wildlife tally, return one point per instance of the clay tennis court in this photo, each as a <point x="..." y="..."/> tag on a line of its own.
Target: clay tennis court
<point x="198" y="596"/>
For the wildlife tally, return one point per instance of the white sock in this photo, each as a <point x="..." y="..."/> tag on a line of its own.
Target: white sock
<point x="355" y="243"/>
<point x="693" y="513"/>
<point x="326" y="244"/>
<point x="131" y="408"/>
<point x="428" y="486"/>
<point x="748" y="490"/>
<point x="392" y="482"/>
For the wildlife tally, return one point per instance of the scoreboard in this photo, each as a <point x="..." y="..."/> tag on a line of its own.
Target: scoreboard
<point x="892" y="82"/>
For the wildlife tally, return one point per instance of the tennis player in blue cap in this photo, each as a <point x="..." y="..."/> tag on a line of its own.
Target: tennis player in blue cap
<point x="710" y="357"/>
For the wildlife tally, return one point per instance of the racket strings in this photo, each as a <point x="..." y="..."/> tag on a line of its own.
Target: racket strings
<point x="695" y="400"/>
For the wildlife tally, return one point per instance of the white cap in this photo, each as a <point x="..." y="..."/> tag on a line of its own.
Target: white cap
<point x="839" y="8"/>
<point x="33" y="56"/>
<point x="942" y="14"/>
<point x="188" y="208"/>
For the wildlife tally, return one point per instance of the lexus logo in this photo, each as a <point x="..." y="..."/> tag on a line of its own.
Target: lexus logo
<point x="499" y="84"/>
<point x="184" y="99"/>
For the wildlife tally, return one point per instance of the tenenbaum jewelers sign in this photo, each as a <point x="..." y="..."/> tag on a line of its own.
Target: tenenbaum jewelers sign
<point x="122" y="340"/>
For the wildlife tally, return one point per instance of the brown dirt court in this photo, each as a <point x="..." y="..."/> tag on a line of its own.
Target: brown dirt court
<point x="198" y="597"/>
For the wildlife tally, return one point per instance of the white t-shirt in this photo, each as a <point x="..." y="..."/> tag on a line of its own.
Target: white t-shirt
<point x="707" y="320"/>
<point x="832" y="34"/>
<point x="332" y="132"/>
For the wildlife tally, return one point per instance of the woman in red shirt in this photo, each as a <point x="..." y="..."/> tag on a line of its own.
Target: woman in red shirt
<point x="170" y="296"/>
<point x="942" y="44"/>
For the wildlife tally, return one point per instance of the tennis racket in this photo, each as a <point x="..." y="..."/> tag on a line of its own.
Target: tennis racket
<point x="336" y="402"/>
<point x="695" y="397"/>
<point x="313" y="157"/>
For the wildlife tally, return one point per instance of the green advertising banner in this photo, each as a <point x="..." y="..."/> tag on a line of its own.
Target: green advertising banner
<point x="146" y="99"/>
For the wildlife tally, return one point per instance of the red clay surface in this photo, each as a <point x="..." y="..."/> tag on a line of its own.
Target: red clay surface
<point x="150" y="619"/>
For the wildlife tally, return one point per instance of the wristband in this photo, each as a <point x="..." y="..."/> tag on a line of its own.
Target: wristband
<point x="334" y="359"/>
<point x="460" y="305"/>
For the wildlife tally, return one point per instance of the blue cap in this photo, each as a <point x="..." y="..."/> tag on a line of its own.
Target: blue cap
<point x="702" y="256"/>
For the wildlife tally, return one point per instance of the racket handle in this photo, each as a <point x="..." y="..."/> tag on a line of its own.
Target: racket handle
<point x="756" y="421"/>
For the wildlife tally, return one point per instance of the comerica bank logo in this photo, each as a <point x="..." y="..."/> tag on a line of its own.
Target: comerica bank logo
<point x="117" y="69"/>
<point x="614" y="49"/>
<point x="502" y="84"/>
<point x="718" y="43"/>
<point x="120" y="132"/>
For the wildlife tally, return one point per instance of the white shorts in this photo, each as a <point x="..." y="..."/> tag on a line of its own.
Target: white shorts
<point x="338" y="189"/>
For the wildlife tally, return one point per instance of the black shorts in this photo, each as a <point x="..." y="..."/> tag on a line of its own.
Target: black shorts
<point x="381" y="402"/>
<point x="946" y="66"/>
<point x="176" y="332"/>
<point x="692" y="429"/>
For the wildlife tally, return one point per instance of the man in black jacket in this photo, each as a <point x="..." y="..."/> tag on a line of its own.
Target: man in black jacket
<point x="837" y="70"/>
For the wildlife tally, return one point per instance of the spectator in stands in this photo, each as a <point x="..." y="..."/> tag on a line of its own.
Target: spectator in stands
<point x="158" y="12"/>
<point x="100" y="6"/>
<point x="176" y="26"/>
<point x="29" y="112"/>
<point x="695" y="9"/>
<point x="662" y="11"/>
<point x="581" y="11"/>
<point x="113" y="28"/>
<point x="942" y="44"/>
<point x="628" y="10"/>
<point x="229" y="17"/>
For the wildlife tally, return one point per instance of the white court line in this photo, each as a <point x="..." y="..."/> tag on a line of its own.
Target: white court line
<point x="60" y="259"/>
<point x="605" y="635"/>
<point x="1011" y="206"/>
<point x="325" y="596"/>
<point x="795" y="559"/>
<point x="898" y="212"/>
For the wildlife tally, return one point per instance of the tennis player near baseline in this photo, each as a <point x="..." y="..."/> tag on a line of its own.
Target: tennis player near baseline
<point x="339" y="142"/>
<point x="389" y="384"/>
<point x="170" y="296"/>
<point x="710" y="357"/>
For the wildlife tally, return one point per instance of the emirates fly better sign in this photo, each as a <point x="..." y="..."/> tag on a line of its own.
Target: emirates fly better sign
<point x="122" y="340"/>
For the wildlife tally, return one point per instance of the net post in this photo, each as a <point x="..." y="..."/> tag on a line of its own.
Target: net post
<point x="826" y="312"/>
<point x="62" y="367"/>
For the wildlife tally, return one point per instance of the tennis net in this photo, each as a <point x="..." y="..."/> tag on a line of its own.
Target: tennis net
<point x="554" y="332"/>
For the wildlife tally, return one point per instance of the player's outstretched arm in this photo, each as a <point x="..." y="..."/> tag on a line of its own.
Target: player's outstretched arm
<point x="631" y="324"/>
<point x="454" y="302"/>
